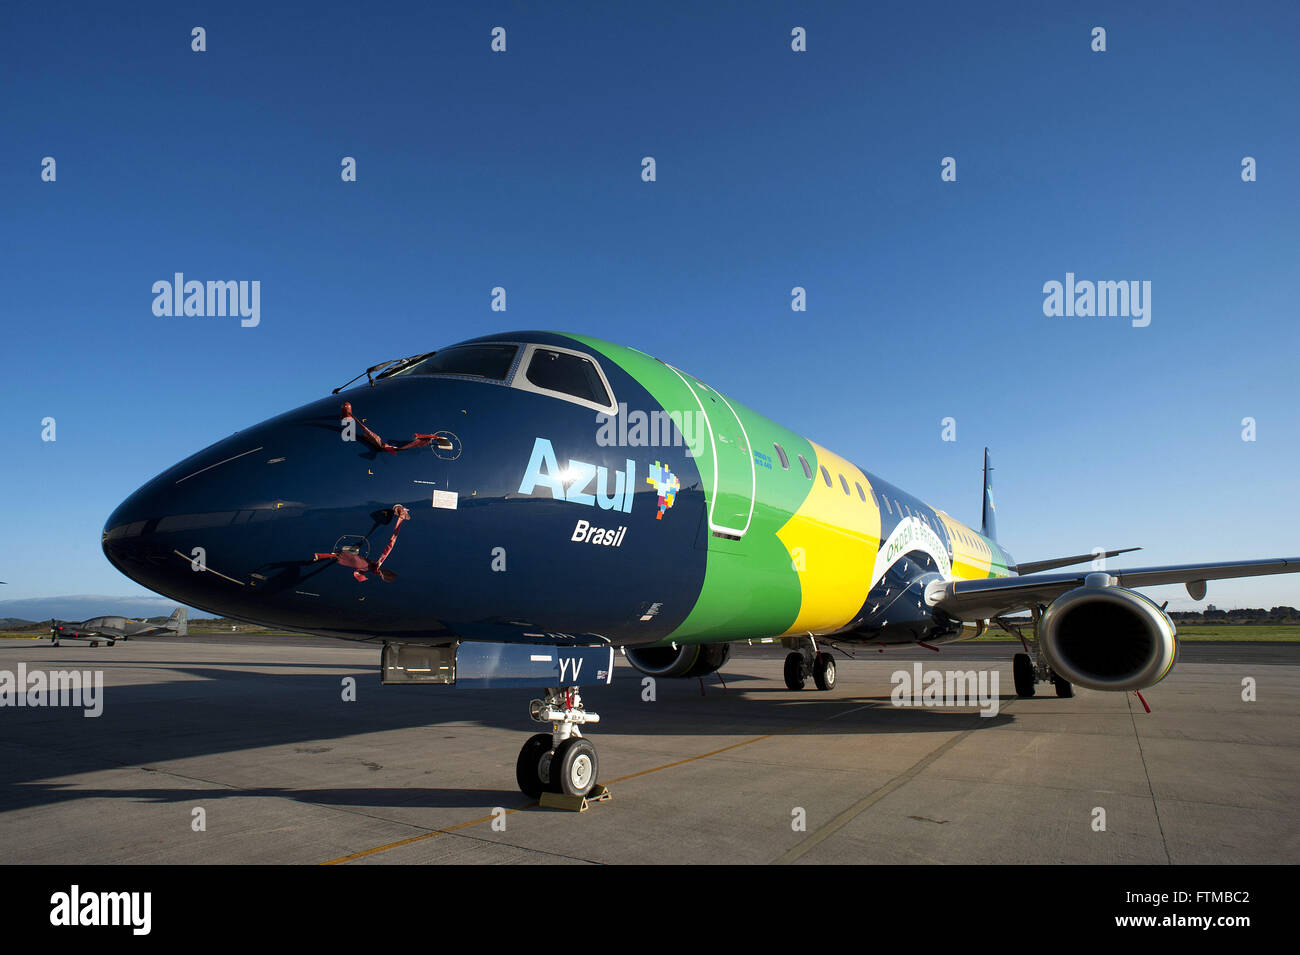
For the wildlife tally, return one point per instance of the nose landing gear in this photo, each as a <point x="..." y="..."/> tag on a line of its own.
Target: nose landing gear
<point x="562" y="761"/>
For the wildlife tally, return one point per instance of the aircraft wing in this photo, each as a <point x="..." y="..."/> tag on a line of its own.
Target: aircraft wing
<point x="1035" y="566"/>
<point x="981" y="599"/>
<point x="76" y="632"/>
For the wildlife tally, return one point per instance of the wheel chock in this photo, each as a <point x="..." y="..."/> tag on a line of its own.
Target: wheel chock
<point x="575" y="803"/>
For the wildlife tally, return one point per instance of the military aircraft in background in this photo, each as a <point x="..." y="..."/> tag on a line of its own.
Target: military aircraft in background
<point x="112" y="629"/>
<point x="562" y="498"/>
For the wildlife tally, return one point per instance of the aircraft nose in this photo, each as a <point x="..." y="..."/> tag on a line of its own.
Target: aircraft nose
<point x="202" y="531"/>
<point x="262" y="525"/>
<point x="175" y="533"/>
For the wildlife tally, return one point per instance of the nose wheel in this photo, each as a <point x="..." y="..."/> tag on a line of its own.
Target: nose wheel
<point x="573" y="767"/>
<point x="533" y="768"/>
<point x="563" y="760"/>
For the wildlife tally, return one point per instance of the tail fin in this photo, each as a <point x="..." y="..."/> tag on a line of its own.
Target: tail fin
<point x="179" y="621"/>
<point x="989" y="522"/>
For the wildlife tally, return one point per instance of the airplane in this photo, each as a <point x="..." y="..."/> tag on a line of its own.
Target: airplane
<point x="112" y="629"/>
<point x="561" y="497"/>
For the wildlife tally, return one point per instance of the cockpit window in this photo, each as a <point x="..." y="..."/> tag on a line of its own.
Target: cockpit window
<point x="567" y="373"/>
<point x="486" y="360"/>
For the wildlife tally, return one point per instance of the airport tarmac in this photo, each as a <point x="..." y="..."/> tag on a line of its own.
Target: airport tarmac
<point x="254" y="732"/>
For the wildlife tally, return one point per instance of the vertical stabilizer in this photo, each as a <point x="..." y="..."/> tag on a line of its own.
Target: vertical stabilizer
<point x="989" y="521"/>
<point x="179" y="621"/>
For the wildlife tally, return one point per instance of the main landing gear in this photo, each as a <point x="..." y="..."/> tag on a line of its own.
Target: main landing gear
<point x="1030" y="668"/>
<point x="563" y="760"/>
<point x="804" y="659"/>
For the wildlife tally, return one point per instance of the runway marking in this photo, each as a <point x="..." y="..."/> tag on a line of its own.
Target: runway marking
<point x="421" y="837"/>
<point x="869" y="800"/>
<point x="744" y="742"/>
<point x="645" y="772"/>
<point x="1143" y="756"/>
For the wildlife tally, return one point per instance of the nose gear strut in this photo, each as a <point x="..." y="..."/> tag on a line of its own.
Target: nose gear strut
<point x="563" y="760"/>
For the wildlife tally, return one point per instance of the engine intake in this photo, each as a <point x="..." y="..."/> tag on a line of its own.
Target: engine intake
<point x="1108" y="638"/>
<point x="684" y="660"/>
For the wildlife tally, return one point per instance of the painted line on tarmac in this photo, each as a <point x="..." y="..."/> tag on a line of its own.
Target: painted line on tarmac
<point x="645" y="772"/>
<point x="869" y="800"/>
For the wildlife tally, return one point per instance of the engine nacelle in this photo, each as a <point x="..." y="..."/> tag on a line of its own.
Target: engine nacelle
<point x="1108" y="638"/>
<point x="687" y="659"/>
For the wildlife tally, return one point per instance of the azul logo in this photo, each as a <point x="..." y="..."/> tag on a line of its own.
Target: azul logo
<point x="666" y="486"/>
<point x="580" y="482"/>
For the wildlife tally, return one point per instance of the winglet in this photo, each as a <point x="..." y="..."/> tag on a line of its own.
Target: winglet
<point x="1038" y="566"/>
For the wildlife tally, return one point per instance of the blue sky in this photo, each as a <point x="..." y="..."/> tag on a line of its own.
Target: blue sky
<point x="775" y="169"/>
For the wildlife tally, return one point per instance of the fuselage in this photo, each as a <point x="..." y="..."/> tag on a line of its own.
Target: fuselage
<point x="564" y="489"/>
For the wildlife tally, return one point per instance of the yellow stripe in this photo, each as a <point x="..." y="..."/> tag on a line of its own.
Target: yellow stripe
<point x="970" y="561"/>
<point x="832" y="539"/>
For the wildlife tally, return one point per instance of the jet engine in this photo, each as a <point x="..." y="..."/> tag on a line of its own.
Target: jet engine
<point x="1105" y="637"/>
<point x="684" y="660"/>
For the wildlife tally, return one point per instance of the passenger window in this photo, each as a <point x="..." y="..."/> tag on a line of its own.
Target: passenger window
<point x="807" y="471"/>
<point x="568" y="374"/>
<point x="844" y="484"/>
<point x="861" y="496"/>
<point x="780" y="453"/>
<point x="826" y="476"/>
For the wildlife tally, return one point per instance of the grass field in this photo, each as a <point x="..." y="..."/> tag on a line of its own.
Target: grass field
<point x="1246" y="633"/>
<point x="1192" y="632"/>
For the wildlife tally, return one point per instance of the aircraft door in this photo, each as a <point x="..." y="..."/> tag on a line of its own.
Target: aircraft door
<point x="732" y="504"/>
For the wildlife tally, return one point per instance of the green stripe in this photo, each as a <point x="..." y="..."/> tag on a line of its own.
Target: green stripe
<point x="749" y="585"/>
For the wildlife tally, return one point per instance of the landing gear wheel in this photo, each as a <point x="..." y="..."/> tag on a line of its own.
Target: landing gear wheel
<point x="1064" y="688"/>
<point x="111" y="642"/>
<point x="1022" y="670"/>
<point x="795" y="674"/>
<point x="532" y="768"/>
<point x="574" y="766"/>
<point x="824" y="671"/>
